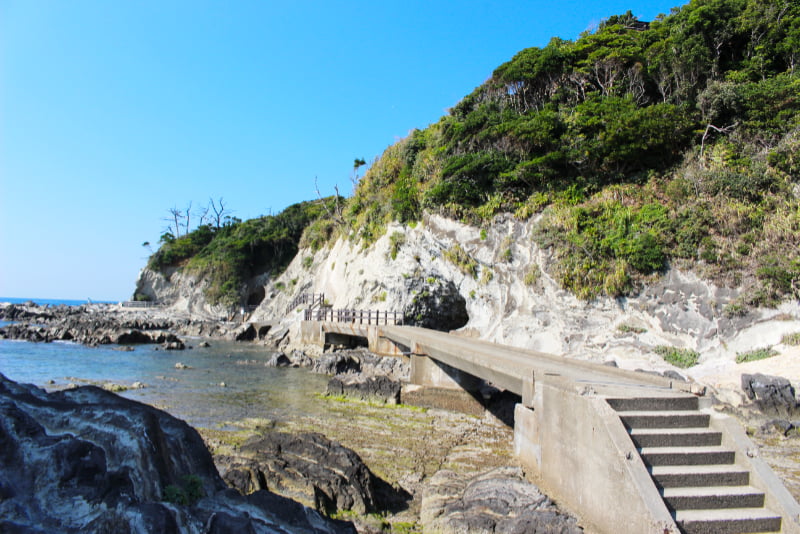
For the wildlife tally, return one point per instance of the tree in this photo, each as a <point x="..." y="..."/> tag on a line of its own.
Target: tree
<point x="187" y="217"/>
<point x="358" y="162"/>
<point x="174" y="220"/>
<point x="219" y="209"/>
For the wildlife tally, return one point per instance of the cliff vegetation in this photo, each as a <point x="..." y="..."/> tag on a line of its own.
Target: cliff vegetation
<point x="228" y="255"/>
<point x="637" y="146"/>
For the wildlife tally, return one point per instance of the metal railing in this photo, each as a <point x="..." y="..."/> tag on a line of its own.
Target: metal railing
<point x="312" y="299"/>
<point x="368" y="317"/>
<point x="140" y="304"/>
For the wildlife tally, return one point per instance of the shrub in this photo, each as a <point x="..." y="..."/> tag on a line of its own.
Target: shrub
<point x="308" y="261"/>
<point x="461" y="259"/>
<point x="755" y="354"/>
<point x="188" y="492"/>
<point x="396" y="240"/>
<point x="683" y="358"/>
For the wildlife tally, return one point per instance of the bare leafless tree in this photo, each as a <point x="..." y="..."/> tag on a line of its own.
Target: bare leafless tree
<point x="204" y="215"/>
<point x="187" y="218"/>
<point x="174" y="220"/>
<point x="336" y="213"/>
<point x="709" y="128"/>
<point x="219" y="209"/>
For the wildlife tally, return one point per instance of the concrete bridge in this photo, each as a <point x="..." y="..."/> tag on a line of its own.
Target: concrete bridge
<point x="628" y="452"/>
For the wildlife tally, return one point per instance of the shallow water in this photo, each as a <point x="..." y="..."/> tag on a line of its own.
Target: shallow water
<point x="251" y="390"/>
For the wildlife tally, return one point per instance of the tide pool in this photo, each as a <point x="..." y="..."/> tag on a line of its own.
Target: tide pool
<point x="226" y="382"/>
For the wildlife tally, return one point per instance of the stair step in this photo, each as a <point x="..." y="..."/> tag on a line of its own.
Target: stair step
<point x="713" y="497"/>
<point x="687" y="455"/>
<point x="664" y="419"/>
<point x="654" y="404"/>
<point x="731" y="521"/>
<point x="675" y="437"/>
<point x="671" y="437"/>
<point x="671" y="476"/>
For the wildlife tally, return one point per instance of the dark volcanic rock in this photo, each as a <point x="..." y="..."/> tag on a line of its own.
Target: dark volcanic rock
<point x="279" y="360"/>
<point x="306" y="467"/>
<point x="335" y="363"/>
<point x="437" y="304"/>
<point x="773" y="395"/>
<point x="88" y="326"/>
<point x="245" y="333"/>
<point x="86" y="460"/>
<point x="133" y="337"/>
<point x="499" y="501"/>
<point x="368" y="388"/>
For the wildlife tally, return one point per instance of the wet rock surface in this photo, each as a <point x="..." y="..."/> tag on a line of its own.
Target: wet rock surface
<point x="366" y="388"/>
<point x="86" y="460"/>
<point x="498" y="501"/>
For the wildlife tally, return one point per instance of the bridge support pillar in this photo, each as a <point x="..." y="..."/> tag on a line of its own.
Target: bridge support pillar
<point x="428" y="372"/>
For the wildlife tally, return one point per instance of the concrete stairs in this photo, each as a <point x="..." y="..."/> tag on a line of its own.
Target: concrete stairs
<point x="698" y="478"/>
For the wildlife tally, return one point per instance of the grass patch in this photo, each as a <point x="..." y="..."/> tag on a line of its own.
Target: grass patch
<point x="630" y="329"/>
<point x="683" y="358"/>
<point x="373" y="404"/>
<point x="486" y="276"/>
<point x="755" y="354"/>
<point x="791" y="339"/>
<point x="532" y="275"/>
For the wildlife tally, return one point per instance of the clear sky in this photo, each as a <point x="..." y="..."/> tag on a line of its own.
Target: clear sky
<point x="113" y="112"/>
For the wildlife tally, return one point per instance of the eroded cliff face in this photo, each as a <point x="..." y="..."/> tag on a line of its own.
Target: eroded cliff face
<point x="508" y="296"/>
<point x="500" y="291"/>
<point x="179" y="290"/>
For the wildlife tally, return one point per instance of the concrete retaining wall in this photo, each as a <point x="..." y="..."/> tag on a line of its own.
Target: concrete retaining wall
<point x="576" y="448"/>
<point x="776" y="497"/>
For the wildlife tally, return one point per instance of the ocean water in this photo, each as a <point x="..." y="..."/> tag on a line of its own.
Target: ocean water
<point x="52" y="302"/>
<point x="225" y="383"/>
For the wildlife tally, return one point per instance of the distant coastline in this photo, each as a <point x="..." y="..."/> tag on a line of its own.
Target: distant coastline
<point x="54" y="302"/>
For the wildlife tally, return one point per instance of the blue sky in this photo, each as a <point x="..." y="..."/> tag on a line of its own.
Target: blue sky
<point x="111" y="113"/>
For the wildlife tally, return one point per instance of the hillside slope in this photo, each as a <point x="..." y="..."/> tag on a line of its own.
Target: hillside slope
<point x="621" y="196"/>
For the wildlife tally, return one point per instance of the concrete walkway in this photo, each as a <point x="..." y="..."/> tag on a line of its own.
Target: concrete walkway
<point x="510" y="367"/>
<point x="628" y="452"/>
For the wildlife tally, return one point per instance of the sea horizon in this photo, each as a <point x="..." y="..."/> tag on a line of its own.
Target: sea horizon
<point x="54" y="302"/>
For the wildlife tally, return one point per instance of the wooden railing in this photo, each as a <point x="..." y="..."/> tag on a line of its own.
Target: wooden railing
<point x="312" y="299"/>
<point x="355" y="316"/>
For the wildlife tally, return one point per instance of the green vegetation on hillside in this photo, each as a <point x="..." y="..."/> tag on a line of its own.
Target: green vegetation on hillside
<point x="637" y="145"/>
<point x="641" y="144"/>
<point x="229" y="255"/>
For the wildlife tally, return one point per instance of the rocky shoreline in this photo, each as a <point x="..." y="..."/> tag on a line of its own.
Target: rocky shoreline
<point x="312" y="462"/>
<point x="382" y="464"/>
